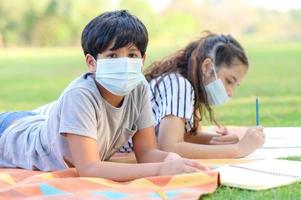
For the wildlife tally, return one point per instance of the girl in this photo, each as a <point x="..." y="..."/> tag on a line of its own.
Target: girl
<point x="184" y="86"/>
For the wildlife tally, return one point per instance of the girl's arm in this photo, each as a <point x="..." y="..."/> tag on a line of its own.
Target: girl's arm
<point x="223" y="137"/>
<point x="201" y="137"/>
<point x="171" y="138"/>
<point x="85" y="158"/>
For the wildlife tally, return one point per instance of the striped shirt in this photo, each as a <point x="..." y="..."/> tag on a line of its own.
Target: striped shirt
<point x="173" y="95"/>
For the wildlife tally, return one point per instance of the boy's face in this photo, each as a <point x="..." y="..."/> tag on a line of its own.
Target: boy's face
<point x="130" y="51"/>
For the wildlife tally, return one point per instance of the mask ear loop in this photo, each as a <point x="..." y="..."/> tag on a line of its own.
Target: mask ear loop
<point x="95" y="61"/>
<point x="218" y="125"/>
<point x="215" y="74"/>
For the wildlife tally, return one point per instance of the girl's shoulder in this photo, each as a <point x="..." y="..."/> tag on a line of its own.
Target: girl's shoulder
<point x="171" y="80"/>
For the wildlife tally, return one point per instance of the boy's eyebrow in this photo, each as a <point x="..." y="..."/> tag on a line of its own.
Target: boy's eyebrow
<point x="133" y="49"/>
<point x="130" y="49"/>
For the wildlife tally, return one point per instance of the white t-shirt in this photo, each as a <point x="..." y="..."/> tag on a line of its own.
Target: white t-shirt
<point x="38" y="142"/>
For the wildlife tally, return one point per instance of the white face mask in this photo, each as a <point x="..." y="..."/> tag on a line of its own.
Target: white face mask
<point x="216" y="91"/>
<point x="119" y="75"/>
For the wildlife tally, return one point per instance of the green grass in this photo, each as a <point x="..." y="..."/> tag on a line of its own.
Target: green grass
<point x="32" y="77"/>
<point x="291" y="192"/>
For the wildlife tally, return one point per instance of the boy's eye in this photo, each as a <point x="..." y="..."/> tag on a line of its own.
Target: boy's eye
<point x="133" y="55"/>
<point x="112" y="55"/>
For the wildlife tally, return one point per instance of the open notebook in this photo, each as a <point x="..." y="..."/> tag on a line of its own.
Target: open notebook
<point x="280" y="142"/>
<point x="260" y="174"/>
<point x="282" y="137"/>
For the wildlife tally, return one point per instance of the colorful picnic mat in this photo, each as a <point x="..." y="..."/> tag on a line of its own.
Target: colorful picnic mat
<point x="22" y="184"/>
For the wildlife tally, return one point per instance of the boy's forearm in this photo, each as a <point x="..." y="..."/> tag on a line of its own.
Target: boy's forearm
<point x="120" y="171"/>
<point x="154" y="155"/>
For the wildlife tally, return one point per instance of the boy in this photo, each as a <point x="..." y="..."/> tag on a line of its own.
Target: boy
<point x="96" y="114"/>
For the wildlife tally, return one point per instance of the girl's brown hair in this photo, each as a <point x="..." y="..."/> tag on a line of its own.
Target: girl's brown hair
<point x="222" y="49"/>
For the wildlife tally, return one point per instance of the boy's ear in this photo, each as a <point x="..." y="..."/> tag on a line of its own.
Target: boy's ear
<point x="207" y="67"/>
<point x="91" y="63"/>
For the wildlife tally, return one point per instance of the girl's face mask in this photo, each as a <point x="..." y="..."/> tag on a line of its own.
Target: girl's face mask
<point x="216" y="91"/>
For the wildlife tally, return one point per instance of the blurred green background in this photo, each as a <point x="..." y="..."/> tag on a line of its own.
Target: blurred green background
<point x="40" y="49"/>
<point x="40" y="54"/>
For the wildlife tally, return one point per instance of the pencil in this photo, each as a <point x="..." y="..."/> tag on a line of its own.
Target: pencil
<point x="257" y="111"/>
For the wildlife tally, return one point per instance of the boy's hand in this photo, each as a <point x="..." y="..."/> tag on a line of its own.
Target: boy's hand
<point x="253" y="139"/>
<point x="180" y="166"/>
<point x="224" y="138"/>
<point x="171" y="156"/>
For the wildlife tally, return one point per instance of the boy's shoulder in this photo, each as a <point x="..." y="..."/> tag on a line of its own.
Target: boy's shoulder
<point x="84" y="81"/>
<point x="83" y="87"/>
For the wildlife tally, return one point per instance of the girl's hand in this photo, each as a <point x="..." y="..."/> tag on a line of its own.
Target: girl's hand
<point x="253" y="139"/>
<point x="224" y="138"/>
<point x="180" y="166"/>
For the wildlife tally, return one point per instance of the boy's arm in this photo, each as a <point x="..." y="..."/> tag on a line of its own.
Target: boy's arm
<point x="146" y="149"/>
<point x="85" y="158"/>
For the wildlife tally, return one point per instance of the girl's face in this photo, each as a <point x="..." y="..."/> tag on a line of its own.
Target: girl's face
<point x="230" y="75"/>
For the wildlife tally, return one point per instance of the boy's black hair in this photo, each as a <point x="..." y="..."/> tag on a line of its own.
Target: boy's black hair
<point x="119" y="26"/>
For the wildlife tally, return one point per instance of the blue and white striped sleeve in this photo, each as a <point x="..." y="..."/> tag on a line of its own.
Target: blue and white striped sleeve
<point x="179" y="99"/>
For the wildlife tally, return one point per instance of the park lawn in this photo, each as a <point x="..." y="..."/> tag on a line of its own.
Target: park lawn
<point x="33" y="77"/>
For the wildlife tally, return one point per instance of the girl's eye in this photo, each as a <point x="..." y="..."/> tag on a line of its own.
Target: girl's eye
<point x="228" y="81"/>
<point x="112" y="55"/>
